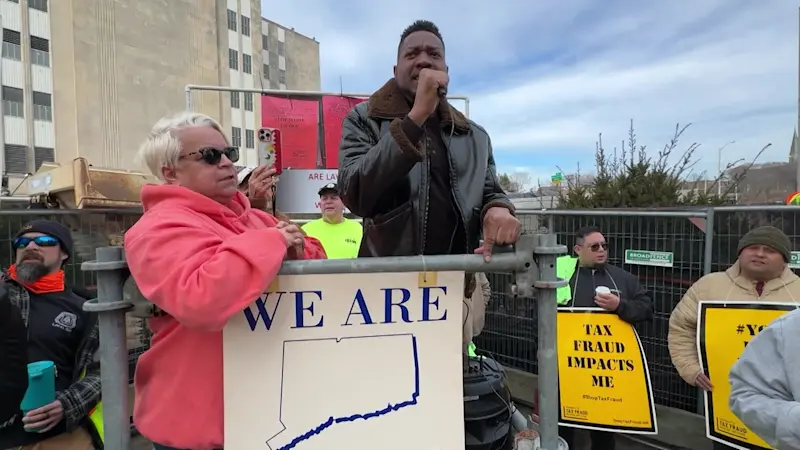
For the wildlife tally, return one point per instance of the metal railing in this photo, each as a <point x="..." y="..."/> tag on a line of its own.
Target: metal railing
<point x="702" y="240"/>
<point x="533" y="262"/>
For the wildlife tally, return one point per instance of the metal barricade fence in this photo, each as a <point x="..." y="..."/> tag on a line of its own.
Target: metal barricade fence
<point x="698" y="241"/>
<point x="532" y="262"/>
<point x="702" y="240"/>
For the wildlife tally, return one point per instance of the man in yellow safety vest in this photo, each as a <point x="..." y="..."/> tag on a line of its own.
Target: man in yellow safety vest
<point x="620" y="293"/>
<point x="340" y="236"/>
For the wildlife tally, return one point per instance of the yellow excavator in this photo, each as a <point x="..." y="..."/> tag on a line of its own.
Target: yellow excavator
<point x="79" y="185"/>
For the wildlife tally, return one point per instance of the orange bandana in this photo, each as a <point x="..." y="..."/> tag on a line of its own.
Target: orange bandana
<point x="53" y="282"/>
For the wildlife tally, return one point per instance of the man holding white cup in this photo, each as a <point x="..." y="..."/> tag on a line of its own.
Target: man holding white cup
<point x="595" y="283"/>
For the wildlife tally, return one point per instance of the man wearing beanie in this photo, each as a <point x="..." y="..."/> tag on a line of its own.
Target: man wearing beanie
<point x="58" y="330"/>
<point x="760" y="274"/>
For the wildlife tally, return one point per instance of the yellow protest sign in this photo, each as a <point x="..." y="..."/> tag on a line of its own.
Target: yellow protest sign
<point x="723" y="331"/>
<point x="604" y="382"/>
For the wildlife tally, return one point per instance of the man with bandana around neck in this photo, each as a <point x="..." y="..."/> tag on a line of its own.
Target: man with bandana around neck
<point x="58" y="330"/>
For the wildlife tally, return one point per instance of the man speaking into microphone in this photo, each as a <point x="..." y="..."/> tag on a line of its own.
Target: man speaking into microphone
<point x="421" y="174"/>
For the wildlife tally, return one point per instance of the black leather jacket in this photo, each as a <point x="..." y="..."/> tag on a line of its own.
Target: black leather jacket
<point x="385" y="179"/>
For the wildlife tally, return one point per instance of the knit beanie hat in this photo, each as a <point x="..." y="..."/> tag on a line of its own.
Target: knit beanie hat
<point x="769" y="236"/>
<point x="50" y="228"/>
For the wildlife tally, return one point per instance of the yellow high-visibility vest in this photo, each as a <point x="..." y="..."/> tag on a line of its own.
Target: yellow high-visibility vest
<point x="96" y="416"/>
<point x="565" y="268"/>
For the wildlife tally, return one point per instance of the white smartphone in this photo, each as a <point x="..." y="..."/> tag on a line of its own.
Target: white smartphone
<point x="269" y="148"/>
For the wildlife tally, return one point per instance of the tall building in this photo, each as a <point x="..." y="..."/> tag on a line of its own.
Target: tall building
<point x="89" y="78"/>
<point x="264" y="55"/>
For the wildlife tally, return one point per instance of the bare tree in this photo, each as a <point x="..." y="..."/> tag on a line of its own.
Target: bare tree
<point x="507" y="183"/>
<point x="521" y="180"/>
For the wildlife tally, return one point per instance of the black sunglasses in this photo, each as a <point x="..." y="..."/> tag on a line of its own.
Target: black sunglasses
<point x="213" y="156"/>
<point x="42" y="241"/>
<point x="596" y="247"/>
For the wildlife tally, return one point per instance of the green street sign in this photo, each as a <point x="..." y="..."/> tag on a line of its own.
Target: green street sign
<point x="557" y="177"/>
<point x="794" y="262"/>
<point x="652" y="258"/>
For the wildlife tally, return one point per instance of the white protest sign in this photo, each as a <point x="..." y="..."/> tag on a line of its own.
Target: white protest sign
<point x="298" y="190"/>
<point x="356" y="362"/>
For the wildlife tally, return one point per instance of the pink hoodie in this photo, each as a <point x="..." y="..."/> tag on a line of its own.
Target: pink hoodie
<point x="200" y="262"/>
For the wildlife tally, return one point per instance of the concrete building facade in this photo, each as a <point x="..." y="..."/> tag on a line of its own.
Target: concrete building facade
<point x="89" y="78"/>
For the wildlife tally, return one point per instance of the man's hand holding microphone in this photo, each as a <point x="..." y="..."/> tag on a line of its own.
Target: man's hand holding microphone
<point x="431" y="87"/>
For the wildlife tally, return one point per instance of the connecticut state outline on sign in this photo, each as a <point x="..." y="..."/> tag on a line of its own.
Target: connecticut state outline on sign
<point x="344" y="361"/>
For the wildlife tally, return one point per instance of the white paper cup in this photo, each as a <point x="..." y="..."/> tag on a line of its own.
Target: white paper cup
<point x="602" y="290"/>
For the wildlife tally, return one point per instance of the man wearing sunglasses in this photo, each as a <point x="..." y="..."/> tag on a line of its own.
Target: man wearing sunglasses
<point x="586" y="272"/>
<point x="58" y="330"/>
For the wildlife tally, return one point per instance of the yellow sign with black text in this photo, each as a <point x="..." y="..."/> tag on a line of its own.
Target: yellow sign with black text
<point x="723" y="331"/>
<point x="604" y="382"/>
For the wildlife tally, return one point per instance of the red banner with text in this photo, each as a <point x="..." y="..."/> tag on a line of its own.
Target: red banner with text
<point x="334" y="110"/>
<point x="298" y="122"/>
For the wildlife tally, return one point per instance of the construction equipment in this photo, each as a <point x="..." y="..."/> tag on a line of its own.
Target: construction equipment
<point x="79" y="185"/>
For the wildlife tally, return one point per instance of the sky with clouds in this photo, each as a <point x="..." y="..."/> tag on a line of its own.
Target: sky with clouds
<point x="545" y="77"/>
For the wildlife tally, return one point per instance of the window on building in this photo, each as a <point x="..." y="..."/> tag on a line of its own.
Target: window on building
<point x="11" y="45"/>
<point x="233" y="59"/>
<point x="250" y="138"/>
<point x="265" y="70"/>
<point x="232" y="20"/>
<point x="42" y="155"/>
<point x="42" y="107"/>
<point x="282" y="76"/>
<point x="41" y="5"/>
<point x="40" y="51"/>
<point x="281" y="49"/>
<point x="14" y="1"/>
<point x="245" y="26"/>
<point x="16" y="159"/>
<point x="247" y="63"/>
<point x="248" y="101"/>
<point x="236" y="136"/>
<point x="13" y="103"/>
<point x="265" y="42"/>
<point x="235" y="100"/>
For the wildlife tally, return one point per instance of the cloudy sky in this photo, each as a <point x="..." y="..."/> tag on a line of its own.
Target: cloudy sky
<point x="546" y="77"/>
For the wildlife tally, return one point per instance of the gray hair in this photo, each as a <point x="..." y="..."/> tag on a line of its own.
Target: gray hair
<point x="162" y="148"/>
